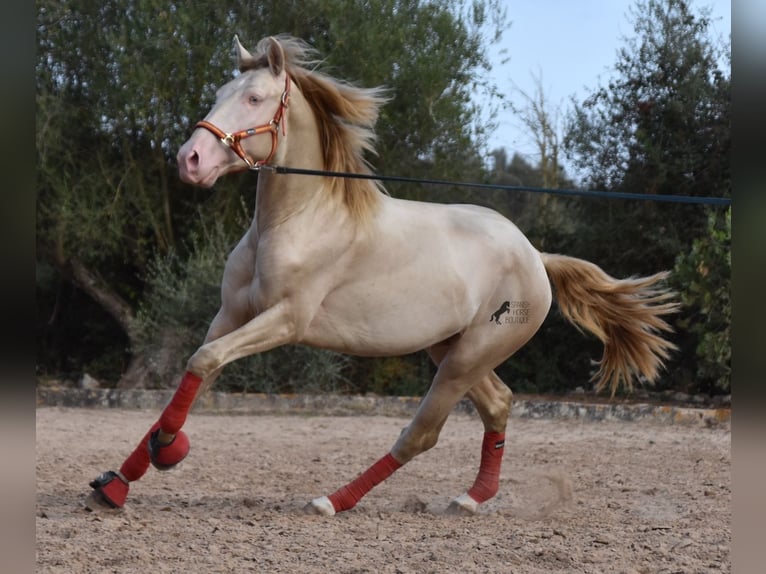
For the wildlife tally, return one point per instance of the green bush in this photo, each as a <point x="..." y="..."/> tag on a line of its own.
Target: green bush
<point x="399" y="376"/>
<point x="703" y="278"/>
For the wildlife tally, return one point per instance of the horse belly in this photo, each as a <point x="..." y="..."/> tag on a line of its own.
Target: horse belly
<point x="369" y="321"/>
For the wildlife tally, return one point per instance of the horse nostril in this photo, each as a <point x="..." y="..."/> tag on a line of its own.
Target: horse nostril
<point x="192" y="160"/>
<point x="188" y="162"/>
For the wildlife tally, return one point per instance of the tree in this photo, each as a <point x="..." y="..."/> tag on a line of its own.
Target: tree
<point x="660" y="126"/>
<point x="542" y="124"/>
<point x="663" y="120"/>
<point x="108" y="120"/>
<point x="704" y="278"/>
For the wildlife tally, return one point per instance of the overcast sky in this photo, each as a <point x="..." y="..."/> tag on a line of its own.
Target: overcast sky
<point x="572" y="45"/>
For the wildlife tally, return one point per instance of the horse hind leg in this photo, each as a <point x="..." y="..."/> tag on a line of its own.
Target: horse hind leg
<point x="415" y="438"/>
<point x="492" y="399"/>
<point x="456" y="377"/>
<point x="448" y="387"/>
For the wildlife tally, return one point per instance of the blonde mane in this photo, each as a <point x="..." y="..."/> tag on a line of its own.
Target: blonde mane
<point x="346" y="116"/>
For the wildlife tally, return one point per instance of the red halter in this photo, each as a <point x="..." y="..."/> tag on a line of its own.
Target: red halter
<point x="234" y="140"/>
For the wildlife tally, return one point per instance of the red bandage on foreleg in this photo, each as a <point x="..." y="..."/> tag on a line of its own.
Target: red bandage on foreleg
<point x="136" y="465"/>
<point x="171" y="421"/>
<point x="174" y="415"/>
<point x="488" y="480"/>
<point x="347" y="497"/>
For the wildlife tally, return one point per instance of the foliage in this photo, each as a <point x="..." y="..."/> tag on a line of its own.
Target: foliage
<point x="406" y="376"/>
<point x="541" y="122"/>
<point x="663" y="119"/>
<point x="108" y="117"/>
<point x="544" y="218"/>
<point x="86" y="337"/>
<point x="704" y="279"/>
<point x="661" y="125"/>
<point x="129" y="260"/>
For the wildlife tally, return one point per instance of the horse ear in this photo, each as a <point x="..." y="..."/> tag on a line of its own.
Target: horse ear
<point x="243" y="56"/>
<point x="276" y="56"/>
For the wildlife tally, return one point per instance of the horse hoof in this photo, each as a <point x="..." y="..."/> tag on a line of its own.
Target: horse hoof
<point x="110" y="490"/>
<point x="321" y="506"/>
<point x="95" y="502"/>
<point x="463" y="505"/>
<point x="166" y="456"/>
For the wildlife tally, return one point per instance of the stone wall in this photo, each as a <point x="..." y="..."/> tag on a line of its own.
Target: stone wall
<point x="226" y="403"/>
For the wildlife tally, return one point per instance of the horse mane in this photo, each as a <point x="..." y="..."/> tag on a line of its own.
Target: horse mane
<point x="346" y="116"/>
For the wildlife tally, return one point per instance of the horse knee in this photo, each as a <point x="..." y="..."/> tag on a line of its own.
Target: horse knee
<point x="203" y="362"/>
<point x="411" y="444"/>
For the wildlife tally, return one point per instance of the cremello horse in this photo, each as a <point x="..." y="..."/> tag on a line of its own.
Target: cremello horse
<point x="338" y="264"/>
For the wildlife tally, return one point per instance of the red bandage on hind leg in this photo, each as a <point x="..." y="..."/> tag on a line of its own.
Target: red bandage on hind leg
<point x="347" y="497"/>
<point x="488" y="480"/>
<point x="174" y="415"/>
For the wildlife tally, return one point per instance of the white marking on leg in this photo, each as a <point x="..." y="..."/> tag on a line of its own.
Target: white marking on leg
<point x="323" y="506"/>
<point x="466" y="503"/>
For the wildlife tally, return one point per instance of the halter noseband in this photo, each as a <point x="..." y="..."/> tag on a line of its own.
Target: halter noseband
<point x="234" y="141"/>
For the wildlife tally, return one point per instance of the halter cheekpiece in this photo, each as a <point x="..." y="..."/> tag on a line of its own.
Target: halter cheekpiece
<point x="234" y="140"/>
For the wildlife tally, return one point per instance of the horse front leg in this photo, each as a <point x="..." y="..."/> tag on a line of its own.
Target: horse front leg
<point x="492" y="399"/>
<point x="168" y="444"/>
<point x="165" y="444"/>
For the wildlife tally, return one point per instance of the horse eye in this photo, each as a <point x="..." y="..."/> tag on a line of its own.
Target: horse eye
<point x="253" y="99"/>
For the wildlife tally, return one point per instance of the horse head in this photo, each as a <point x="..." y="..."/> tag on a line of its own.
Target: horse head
<point x="248" y="118"/>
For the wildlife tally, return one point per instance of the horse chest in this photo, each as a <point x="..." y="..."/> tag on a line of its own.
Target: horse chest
<point x="283" y="272"/>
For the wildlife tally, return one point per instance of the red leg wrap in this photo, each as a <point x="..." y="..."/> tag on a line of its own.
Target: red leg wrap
<point x="347" y="496"/>
<point x="112" y="486"/>
<point x="136" y="465"/>
<point x="174" y="415"/>
<point x="488" y="479"/>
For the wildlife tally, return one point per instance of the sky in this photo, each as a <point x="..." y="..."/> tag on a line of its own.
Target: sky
<point x="571" y="45"/>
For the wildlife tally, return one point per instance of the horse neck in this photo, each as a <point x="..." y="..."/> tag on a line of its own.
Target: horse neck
<point x="283" y="197"/>
<point x="280" y="198"/>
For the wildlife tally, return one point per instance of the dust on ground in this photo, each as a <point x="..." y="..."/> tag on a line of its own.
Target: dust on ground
<point x="575" y="497"/>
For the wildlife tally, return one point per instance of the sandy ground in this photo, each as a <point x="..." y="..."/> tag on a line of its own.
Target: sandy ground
<point x="574" y="497"/>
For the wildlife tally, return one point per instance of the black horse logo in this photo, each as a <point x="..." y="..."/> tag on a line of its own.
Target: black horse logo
<point x="504" y="308"/>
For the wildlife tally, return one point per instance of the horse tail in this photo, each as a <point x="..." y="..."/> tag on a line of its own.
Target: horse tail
<point x="625" y="314"/>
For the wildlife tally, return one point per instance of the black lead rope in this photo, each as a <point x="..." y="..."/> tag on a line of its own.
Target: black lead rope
<point x="569" y="192"/>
